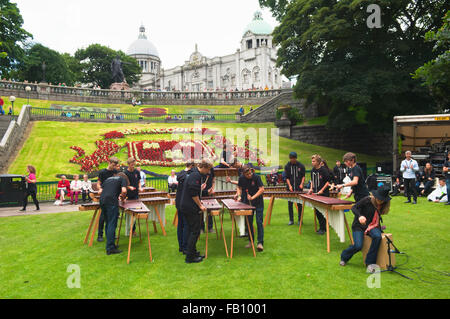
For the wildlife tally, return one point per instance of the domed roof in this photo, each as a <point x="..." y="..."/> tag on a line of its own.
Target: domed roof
<point x="258" y="25"/>
<point x="142" y="45"/>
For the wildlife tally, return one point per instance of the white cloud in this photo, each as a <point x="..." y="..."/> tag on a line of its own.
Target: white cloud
<point x="174" y="26"/>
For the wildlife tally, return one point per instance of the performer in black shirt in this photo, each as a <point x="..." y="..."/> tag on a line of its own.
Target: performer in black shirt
<point x="339" y="172"/>
<point x="358" y="184"/>
<point x="295" y="179"/>
<point x="113" y="187"/>
<point x="320" y="182"/>
<point x="367" y="219"/>
<point x="250" y="190"/>
<point x="208" y="184"/>
<point x="183" y="227"/>
<point x="193" y="209"/>
<point x="134" y="176"/>
<point x="103" y="175"/>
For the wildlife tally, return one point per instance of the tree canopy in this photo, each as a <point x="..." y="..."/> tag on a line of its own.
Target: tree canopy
<point x="361" y="74"/>
<point x="95" y="63"/>
<point x="435" y="74"/>
<point x="12" y="37"/>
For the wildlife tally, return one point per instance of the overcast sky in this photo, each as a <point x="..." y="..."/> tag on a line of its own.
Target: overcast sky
<point x="174" y="26"/>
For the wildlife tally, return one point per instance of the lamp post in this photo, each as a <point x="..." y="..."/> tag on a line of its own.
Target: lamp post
<point x="28" y="89"/>
<point x="12" y="98"/>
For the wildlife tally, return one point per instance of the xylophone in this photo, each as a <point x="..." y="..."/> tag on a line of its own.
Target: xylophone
<point x="157" y="211"/>
<point x="289" y="196"/>
<point x="239" y="209"/>
<point x="221" y="175"/>
<point x="135" y="209"/>
<point x="148" y="189"/>
<point x="152" y="194"/>
<point x="333" y="211"/>
<point x="213" y="208"/>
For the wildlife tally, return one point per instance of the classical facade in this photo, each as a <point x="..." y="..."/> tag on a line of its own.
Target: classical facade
<point x="147" y="56"/>
<point x="252" y="66"/>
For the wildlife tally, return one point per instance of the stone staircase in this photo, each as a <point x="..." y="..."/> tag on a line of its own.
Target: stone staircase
<point x="4" y="124"/>
<point x="267" y="111"/>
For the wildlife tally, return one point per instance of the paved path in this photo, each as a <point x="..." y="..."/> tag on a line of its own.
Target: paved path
<point x="46" y="208"/>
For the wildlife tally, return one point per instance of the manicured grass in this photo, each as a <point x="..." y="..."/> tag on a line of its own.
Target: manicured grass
<point x="128" y="108"/>
<point x="35" y="252"/>
<point x="48" y="146"/>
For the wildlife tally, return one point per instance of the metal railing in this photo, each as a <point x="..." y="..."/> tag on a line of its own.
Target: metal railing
<point x="46" y="113"/>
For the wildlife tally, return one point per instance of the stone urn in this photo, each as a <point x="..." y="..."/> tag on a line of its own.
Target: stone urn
<point x="284" y="123"/>
<point x="285" y="109"/>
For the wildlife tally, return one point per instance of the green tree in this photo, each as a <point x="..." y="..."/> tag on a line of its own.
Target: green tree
<point x="96" y="61"/>
<point x="361" y="74"/>
<point x="57" y="70"/>
<point x="435" y="74"/>
<point x="12" y="36"/>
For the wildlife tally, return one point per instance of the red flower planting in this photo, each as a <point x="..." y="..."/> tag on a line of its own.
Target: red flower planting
<point x="105" y="149"/>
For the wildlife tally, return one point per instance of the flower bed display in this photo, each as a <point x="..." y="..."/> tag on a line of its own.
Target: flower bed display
<point x="169" y="153"/>
<point x="164" y="153"/>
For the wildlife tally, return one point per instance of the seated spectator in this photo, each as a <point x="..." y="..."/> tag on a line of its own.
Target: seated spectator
<point x="396" y="186"/>
<point x="63" y="189"/>
<point x="427" y="178"/>
<point x="77" y="115"/>
<point x="69" y="114"/>
<point x="75" y="189"/>
<point x="86" y="188"/>
<point x="272" y="179"/>
<point x="63" y="114"/>
<point x="439" y="195"/>
<point x="241" y="110"/>
<point x="172" y="181"/>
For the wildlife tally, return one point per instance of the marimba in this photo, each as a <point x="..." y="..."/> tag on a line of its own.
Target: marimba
<point x="289" y="196"/>
<point x="157" y="211"/>
<point x="333" y="211"/>
<point x="221" y="175"/>
<point x="152" y="194"/>
<point x="148" y="189"/>
<point x="136" y="210"/>
<point x="239" y="209"/>
<point x="213" y="208"/>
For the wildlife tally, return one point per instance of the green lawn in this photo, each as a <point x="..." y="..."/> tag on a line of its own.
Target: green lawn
<point x="128" y="108"/>
<point x="35" y="252"/>
<point x="48" y="146"/>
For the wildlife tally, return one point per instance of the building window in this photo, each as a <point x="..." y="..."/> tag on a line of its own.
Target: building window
<point x="249" y="44"/>
<point x="257" y="43"/>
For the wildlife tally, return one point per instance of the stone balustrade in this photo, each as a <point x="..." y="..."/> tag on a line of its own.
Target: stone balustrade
<point x="45" y="91"/>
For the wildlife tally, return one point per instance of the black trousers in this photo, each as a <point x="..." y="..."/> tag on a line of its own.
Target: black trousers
<point x="33" y="193"/>
<point x="85" y="195"/>
<point x="410" y="188"/>
<point x="291" y="211"/>
<point x="322" y="220"/>
<point x="193" y="219"/>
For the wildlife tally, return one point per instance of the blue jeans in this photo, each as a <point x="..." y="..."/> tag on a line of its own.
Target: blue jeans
<point x="110" y="213"/>
<point x="182" y="231"/>
<point x="259" y="224"/>
<point x="358" y="238"/>
<point x="447" y="182"/>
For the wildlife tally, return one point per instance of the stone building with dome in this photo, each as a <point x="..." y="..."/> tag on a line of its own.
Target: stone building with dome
<point x="147" y="56"/>
<point x="252" y="66"/>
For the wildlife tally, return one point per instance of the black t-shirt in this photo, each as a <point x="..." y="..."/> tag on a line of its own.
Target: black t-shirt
<point x="209" y="182"/>
<point x="447" y="164"/>
<point x="181" y="178"/>
<point x="360" y="190"/>
<point x="134" y="178"/>
<point x="295" y="173"/>
<point x="191" y="188"/>
<point x="112" y="187"/>
<point x="251" y="185"/>
<point x="227" y="157"/>
<point x="104" y="174"/>
<point x="319" y="177"/>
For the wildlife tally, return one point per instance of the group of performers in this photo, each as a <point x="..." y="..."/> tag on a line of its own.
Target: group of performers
<point x="197" y="181"/>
